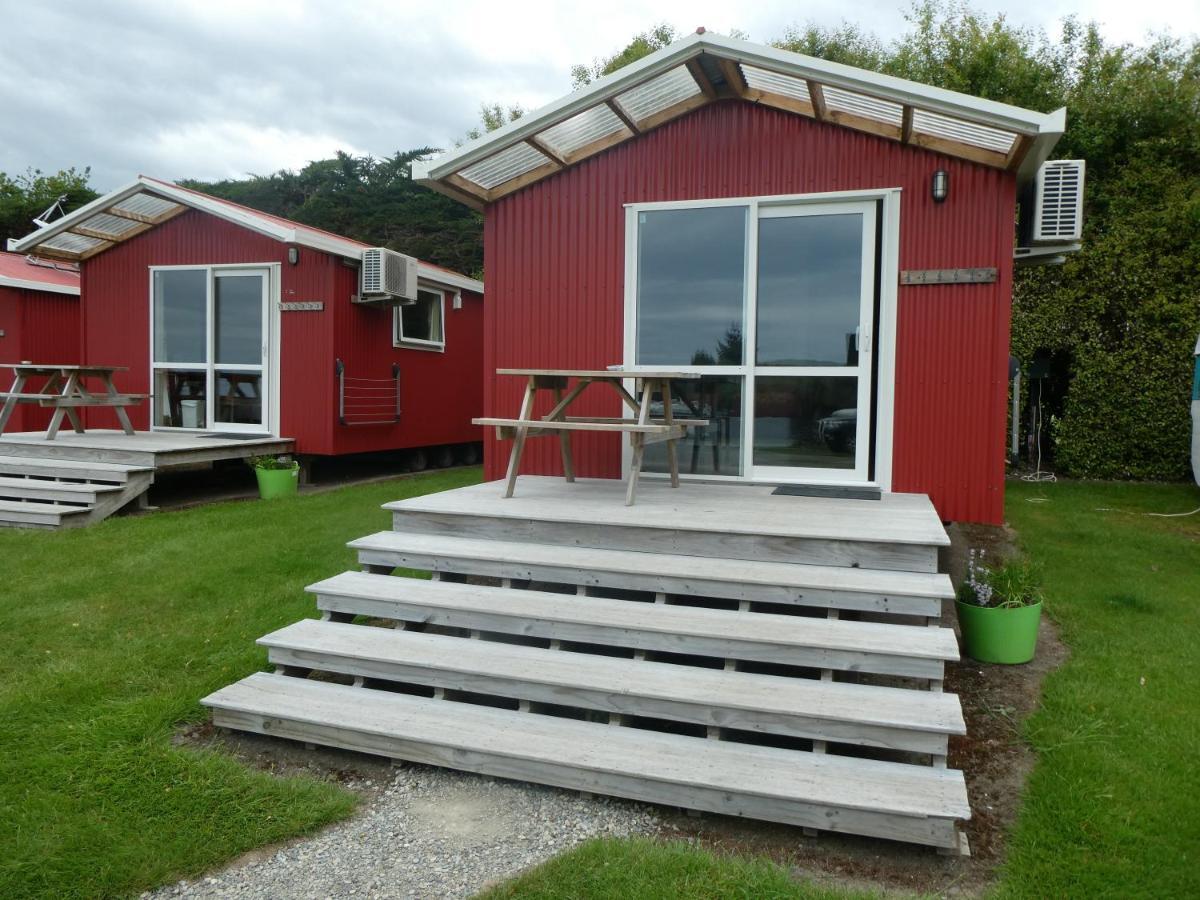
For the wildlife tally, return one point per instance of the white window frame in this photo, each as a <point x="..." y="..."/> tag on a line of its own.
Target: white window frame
<point x="272" y="349"/>
<point x="398" y="338"/>
<point x="885" y="338"/>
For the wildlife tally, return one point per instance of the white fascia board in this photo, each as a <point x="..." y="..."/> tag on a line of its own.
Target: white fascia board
<point x="215" y="207"/>
<point x="449" y="279"/>
<point x="899" y="90"/>
<point x="23" y="284"/>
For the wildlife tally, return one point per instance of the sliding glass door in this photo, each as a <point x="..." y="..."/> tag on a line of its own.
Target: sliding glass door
<point x="209" y="348"/>
<point x="775" y="304"/>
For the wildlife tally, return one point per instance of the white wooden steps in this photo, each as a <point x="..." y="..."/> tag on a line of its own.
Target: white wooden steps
<point x="57" y="493"/>
<point x="759" y="655"/>
<point x="889" y="800"/>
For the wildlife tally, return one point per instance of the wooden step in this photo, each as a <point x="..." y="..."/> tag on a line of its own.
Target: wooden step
<point x="901" y="650"/>
<point x="68" y="468"/>
<point x="27" y="512"/>
<point x="833" y="587"/>
<point x="899" y="532"/>
<point x="893" y="718"/>
<point x="919" y="804"/>
<point x="67" y="492"/>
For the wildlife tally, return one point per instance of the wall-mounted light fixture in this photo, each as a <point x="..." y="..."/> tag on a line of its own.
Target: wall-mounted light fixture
<point x="293" y="255"/>
<point x="941" y="185"/>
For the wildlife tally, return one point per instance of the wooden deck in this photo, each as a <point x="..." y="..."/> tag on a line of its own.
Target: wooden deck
<point x="774" y="657"/>
<point x="78" y="479"/>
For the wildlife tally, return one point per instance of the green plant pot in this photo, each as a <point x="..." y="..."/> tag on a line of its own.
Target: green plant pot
<point x="999" y="634"/>
<point x="276" y="483"/>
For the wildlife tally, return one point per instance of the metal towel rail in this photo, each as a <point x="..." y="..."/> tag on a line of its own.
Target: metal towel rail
<point x="368" y="401"/>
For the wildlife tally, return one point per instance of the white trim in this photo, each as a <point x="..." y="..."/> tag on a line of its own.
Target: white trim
<point x="1046" y="128"/>
<point x="398" y="338"/>
<point x="884" y="340"/>
<point x="268" y="370"/>
<point x="25" y="285"/>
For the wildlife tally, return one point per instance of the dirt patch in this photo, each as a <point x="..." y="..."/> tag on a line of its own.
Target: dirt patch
<point x="995" y="760"/>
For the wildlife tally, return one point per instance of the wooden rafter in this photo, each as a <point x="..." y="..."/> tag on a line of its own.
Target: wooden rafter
<point x="734" y="79"/>
<point x="701" y="78"/>
<point x="1016" y="153"/>
<point x="470" y="188"/>
<point x="523" y="180"/>
<point x="84" y="231"/>
<point x="55" y="253"/>
<point x="816" y="93"/>
<point x="962" y="150"/>
<point x="780" y="101"/>
<point x="543" y="148"/>
<point x="906" y="125"/>
<point x="144" y="219"/>
<point x="597" y="146"/>
<point x="617" y="111"/>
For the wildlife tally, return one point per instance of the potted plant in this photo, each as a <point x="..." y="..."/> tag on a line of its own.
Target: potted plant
<point x="278" y="476"/>
<point x="999" y="610"/>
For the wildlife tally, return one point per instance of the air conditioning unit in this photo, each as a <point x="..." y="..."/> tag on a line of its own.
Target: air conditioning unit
<point x="1058" y="209"/>
<point x="387" y="277"/>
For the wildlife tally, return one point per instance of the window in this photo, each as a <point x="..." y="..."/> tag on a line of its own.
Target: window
<point x="420" y="324"/>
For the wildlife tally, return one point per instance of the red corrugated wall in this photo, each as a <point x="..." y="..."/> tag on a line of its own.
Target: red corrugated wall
<point x="42" y="327"/>
<point x="116" y="327"/>
<point x="555" y="262"/>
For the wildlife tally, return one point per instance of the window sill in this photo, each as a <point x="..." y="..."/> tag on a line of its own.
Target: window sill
<point x="419" y="345"/>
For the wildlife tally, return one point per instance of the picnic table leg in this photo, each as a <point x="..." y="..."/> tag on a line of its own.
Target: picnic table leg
<point x="122" y="415"/>
<point x="564" y="437"/>
<point x="10" y="403"/>
<point x="514" y="460"/>
<point x="638" y="440"/>
<point x="56" y="420"/>
<point x="668" y="418"/>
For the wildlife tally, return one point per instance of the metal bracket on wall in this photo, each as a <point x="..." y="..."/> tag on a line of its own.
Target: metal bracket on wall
<point x="948" y="276"/>
<point x="367" y="401"/>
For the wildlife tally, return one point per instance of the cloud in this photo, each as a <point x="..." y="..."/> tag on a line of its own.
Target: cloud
<point x="222" y="87"/>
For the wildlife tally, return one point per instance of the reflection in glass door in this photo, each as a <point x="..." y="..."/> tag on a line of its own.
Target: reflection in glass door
<point x="209" y="348"/>
<point x="775" y="304"/>
<point x="814" y="309"/>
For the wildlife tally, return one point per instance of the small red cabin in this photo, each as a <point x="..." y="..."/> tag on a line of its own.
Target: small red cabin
<point x="239" y="322"/>
<point x="832" y="248"/>
<point x="39" y="321"/>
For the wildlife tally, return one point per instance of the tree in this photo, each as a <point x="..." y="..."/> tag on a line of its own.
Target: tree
<point x="24" y="197"/>
<point x="642" y="45"/>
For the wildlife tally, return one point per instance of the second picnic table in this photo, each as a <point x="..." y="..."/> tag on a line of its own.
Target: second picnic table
<point x="64" y="389"/>
<point x="642" y="429"/>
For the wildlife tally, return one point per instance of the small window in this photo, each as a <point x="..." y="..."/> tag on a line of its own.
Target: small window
<point x="420" y="324"/>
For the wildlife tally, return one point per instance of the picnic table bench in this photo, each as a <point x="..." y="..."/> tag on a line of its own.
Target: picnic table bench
<point x="643" y="429"/>
<point x="65" y="390"/>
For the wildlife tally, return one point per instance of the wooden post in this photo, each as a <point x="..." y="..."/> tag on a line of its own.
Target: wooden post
<point x="669" y="419"/>
<point x="122" y="416"/>
<point x="10" y="403"/>
<point x="514" y="461"/>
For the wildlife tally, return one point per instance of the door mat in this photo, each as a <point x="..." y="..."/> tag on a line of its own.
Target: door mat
<point x="831" y="491"/>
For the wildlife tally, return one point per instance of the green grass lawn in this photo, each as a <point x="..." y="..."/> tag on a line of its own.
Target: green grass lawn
<point x="110" y="636"/>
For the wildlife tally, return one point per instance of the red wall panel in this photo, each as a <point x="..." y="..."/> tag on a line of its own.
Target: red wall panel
<point x="116" y="328"/>
<point x="555" y="262"/>
<point x="42" y="327"/>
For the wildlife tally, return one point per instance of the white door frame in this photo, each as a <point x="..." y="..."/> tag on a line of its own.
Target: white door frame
<point x="270" y="347"/>
<point x="884" y="338"/>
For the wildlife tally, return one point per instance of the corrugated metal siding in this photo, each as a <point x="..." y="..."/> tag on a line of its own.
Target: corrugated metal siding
<point x="555" y="268"/>
<point x="40" y="326"/>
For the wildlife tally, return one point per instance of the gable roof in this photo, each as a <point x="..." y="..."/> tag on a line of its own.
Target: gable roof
<point x="147" y="202"/>
<point x="704" y="67"/>
<point x="20" y="271"/>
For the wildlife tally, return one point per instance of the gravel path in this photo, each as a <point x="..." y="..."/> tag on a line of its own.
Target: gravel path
<point x="430" y="833"/>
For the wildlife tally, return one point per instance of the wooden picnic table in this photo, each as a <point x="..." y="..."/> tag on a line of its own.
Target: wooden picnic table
<point x="642" y="429"/>
<point x="64" y="389"/>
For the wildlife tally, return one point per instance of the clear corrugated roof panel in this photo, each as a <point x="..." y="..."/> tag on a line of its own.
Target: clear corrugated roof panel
<point x="110" y="224"/>
<point x="775" y="83"/>
<point x="582" y="129"/>
<point x="72" y="243"/>
<point x="504" y="166"/>
<point x="862" y="105"/>
<point x="965" y="132"/>
<point x="669" y="88"/>
<point x="144" y="204"/>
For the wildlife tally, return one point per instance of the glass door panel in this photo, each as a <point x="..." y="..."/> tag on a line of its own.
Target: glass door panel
<point x="712" y="449"/>
<point x="180" y="398"/>
<point x="238" y="315"/>
<point x="808" y="422"/>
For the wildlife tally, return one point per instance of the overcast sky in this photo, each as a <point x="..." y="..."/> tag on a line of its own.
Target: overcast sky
<point x="220" y="88"/>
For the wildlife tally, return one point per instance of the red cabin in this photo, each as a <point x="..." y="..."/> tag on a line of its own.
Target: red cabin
<point x="236" y="322"/>
<point x="831" y="247"/>
<point x="39" y="320"/>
